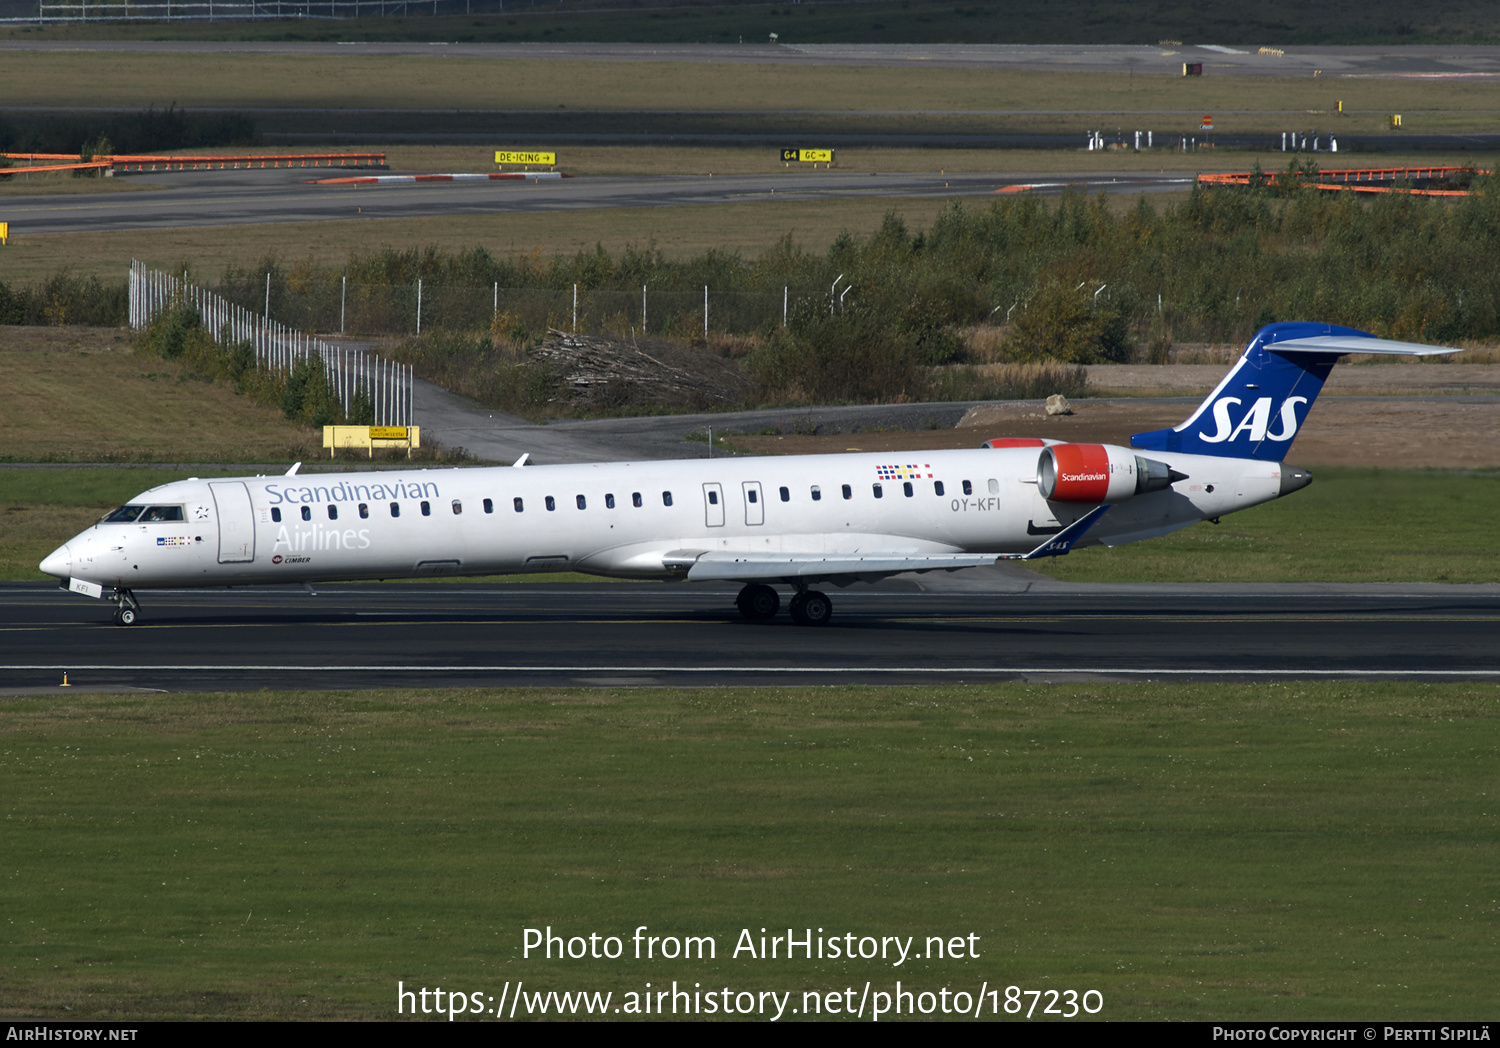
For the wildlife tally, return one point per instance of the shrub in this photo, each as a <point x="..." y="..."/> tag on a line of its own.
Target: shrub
<point x="1066" y="324"/>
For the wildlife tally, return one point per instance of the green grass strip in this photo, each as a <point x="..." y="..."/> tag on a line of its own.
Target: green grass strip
<point x="1351" y="525"/>
<point x="1296" y="851"/>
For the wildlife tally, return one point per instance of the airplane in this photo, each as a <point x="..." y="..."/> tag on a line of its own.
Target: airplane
<point x="795" y="520"/>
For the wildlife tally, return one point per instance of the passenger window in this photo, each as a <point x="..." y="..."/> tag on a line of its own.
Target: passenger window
<point x="968" y="488"/>
<point x="817" y="493"/>
<point x="666" y="498"/>
<point x="713" y="498"/>
<point x="276" y="514"/>
<point x="994" y="486"/>
<point x="458" y="507"/>
<point x="879" y="493"/>
<point x="635" y="498"/>
<point x="551" y="503"/>
<point x="519" y="506"/>
<point x="426" y="509"/>
<point x="753" y="495"/>
<point x="333" y="513"/>
<point x="489" y="505"/>
<point x="786" y="495"/>
<point x="848" y="492"/>
<point x="906" y="487"/>
<point x="364" y="510"/>
<point x="582" y="503"/>
<point x="937" y="487"/>
<point x="307" y="513"/>
<point x="395" y="509"/>
<point x="609" y="502"/>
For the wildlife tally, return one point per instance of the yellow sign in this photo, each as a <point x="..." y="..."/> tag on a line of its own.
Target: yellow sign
<point x="4" y="232"/>
<point x="372" y="437"/>
<point x="807" y="156"/>
<point x="516" y="157"/>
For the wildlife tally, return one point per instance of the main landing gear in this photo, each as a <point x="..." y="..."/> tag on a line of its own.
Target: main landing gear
<point x="127" y="608"/>
<point x="758" y="602"/>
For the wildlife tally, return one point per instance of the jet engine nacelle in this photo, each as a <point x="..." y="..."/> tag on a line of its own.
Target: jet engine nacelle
<point x="1098" y="473"/>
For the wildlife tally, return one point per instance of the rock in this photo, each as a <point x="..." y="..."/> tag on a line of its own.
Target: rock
<point x="1057" y="404"/>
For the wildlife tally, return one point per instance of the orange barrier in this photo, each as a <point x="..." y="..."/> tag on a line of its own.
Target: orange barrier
<point x="42" y="156"/>
<point x="183" y="163"/>
<point x="122" y="162"/>
<point x="92" y="165"/>
<point x="1358" y="180"/>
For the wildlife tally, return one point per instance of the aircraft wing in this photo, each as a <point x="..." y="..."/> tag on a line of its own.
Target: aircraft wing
<point x="843" y="568"/>
<point x="718" y="566"/>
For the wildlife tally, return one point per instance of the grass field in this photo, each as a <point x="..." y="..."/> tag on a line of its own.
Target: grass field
<point x="355" y="82"/>
<point x="678" y="232"/>
<point x="1285" y="851"/>
<point x="1283" y="22"/>
<point x="82" y="394"/>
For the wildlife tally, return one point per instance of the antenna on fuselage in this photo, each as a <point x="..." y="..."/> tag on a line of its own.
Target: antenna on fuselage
<point x="293" y="471"/>
<point x="522" y="460"/>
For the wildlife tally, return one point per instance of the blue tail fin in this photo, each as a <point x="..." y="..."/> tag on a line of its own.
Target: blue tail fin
<point x="1258" y="408"/>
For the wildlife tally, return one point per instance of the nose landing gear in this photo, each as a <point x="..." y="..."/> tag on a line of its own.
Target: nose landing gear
<point x="127" y="608"/>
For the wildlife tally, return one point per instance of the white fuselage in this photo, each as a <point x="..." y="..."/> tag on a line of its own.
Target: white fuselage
<point x="623" y="519"/>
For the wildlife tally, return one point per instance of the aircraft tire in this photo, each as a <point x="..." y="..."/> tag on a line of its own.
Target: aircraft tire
<point x="758" y="602"/>
<point x="811" y="608"/>
<point x="125" y="616"/>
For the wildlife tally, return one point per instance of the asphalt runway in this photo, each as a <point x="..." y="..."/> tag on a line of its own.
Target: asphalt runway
<point x="229" y="198"/>
<point x="979" y="625"/>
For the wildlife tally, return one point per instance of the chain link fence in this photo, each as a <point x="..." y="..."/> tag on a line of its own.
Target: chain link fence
<point x="340" y="306"/>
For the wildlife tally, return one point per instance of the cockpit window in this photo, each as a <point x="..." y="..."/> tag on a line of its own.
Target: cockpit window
<point x="123" y="515"/>
<point x="160" y="513"/>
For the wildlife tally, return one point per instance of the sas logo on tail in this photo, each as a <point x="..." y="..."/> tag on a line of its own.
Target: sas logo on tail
<point x="1255" y="421"/>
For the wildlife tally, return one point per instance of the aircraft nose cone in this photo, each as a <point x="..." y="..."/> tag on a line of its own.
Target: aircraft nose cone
<point x="59" y="562"/>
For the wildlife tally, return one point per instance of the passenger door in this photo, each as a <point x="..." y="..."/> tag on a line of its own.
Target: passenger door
<point x="713" y="505"/>
<point x="236" y="521"/>
<point x="755" y="508"/>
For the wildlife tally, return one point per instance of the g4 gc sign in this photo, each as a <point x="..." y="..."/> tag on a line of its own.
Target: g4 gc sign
<point x="807" y="156"/>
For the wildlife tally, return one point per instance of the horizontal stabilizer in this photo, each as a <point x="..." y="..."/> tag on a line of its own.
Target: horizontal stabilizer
<point x="1358" y="344"/>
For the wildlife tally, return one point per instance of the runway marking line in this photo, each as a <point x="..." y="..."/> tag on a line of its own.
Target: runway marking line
<point x="725" y="617"/>
<point x="774" y="670"/>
